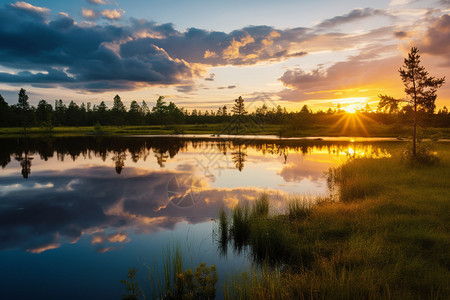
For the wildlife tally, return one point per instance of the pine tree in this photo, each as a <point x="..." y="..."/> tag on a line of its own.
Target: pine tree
<point x="118" y="111"/>
<point x="419" y="87"/>
<point x="24" y="108"/>
<point x="239" y="107"/>
<point x="239" y="111"/>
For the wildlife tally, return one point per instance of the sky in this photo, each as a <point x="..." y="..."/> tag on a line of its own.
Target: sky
<point x="204" y="54"/>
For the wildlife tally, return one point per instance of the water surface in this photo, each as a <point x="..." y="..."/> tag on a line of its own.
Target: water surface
<point x="75" y="213"/>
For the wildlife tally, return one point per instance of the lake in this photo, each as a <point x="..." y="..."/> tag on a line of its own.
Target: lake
<point x="77" y="212"/>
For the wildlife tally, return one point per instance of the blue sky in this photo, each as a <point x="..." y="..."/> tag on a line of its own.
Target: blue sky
<point x="204" y="54"/>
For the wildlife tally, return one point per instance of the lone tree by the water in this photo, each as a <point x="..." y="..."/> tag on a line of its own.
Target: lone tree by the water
<point x="419" y="87"/>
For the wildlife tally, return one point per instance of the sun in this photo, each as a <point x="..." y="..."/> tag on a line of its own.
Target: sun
<point x="351" y="109"/>
<point x="352" y="122"/>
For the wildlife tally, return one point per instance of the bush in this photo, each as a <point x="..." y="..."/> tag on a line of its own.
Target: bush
<point x="424" y="155"/>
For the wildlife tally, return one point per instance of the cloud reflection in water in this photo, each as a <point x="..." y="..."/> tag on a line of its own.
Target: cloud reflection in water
<point x="108" y="200"/>
<point x="100" y="204"/>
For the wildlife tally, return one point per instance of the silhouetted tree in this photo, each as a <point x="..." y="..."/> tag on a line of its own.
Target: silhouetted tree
<point x="24" y="109"/>
<point x="388" y="104"/>
<point x="239" y="107"/>
<point x="118" y="111"/>
<point x="443" y="111"/>
<point x="101" y="113"/>
<point x="159" y="111"/>
<point x="239" y="111"/>
<point x="305" y="110"/>
<point x="60" y="112"/>
<point x="419" y="87"/>
<point x="72" y="114"/>
<point x="4" y="112"/>
<point x="134" y="114"/>
<point x="44" y="114"/>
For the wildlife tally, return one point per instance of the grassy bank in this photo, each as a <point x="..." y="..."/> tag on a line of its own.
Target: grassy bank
<point x="138" y="130"/>
<point x="375" y="130"/>
<point x="386" y="239"/>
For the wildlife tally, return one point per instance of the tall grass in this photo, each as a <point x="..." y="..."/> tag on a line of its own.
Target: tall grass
<point x="178" y="282"/>
<point x="387" y="238"/>
<point x="223" y="231"/>
<point x="300" y="208"/>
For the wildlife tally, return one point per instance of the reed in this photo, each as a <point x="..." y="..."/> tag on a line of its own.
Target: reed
<point x="386" y="238"/>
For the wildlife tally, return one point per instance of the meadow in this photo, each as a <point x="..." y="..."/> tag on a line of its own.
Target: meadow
<point x="374" y="130"/>
<point x="385" y="236"/>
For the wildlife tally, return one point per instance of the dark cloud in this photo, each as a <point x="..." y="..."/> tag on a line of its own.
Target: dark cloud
<point x="401" y="34"/>
<point x="437" y="38"/>
<point x="354" y="15"/>
<point x="109" y="57"/>
<point x="103" y="57"/>
<point x="85" y="58"/>
<point x="226" y="87"/>
<point x="186" y="88"/>
<point x="240" y="47"/>
<point x="210" y="77"/>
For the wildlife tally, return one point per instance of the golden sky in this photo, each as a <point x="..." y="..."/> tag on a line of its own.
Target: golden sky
<point x="204" y="55"/>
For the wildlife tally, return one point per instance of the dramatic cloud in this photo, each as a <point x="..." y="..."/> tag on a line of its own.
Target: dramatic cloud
<point x="85" y="58"/>
<point x="359" y="76"/>
<point x="437" y="38"/>
<point x="246" y="46"/>
<point x="139" y="53"/>
<point x="126" y="57"/>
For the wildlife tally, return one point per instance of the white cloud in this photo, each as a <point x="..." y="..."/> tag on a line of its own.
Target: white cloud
<point x="97" y="1"/>
<point x="398" y="2"/>
<point x="112" y="14"/>
<point x="29" y="7"/>
<point x="89" y="13"/>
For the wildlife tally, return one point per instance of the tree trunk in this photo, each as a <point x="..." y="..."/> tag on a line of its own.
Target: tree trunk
<point x="415" y="128"/>
<point x="415" y="115"/>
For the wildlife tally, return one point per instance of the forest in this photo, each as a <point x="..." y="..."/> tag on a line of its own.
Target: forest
<point x="46" y="115"/>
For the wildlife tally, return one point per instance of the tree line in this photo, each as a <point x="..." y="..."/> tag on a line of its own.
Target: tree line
<point x="46" y="115"/>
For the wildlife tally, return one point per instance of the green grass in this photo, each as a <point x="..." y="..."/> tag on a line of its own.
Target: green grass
<point x="374" y="130"/>
<point x="140" y="130"/>
<point x="175" y="281"/>
<point x="386" y="239"/>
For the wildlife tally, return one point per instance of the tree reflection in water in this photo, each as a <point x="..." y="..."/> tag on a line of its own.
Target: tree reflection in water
<point x="238" y="157"/>
<point x="165" y="148"/>
<point x="25" y="163"/>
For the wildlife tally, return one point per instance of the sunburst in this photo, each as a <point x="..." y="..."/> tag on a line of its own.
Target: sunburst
<point x="353" y="121"/>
